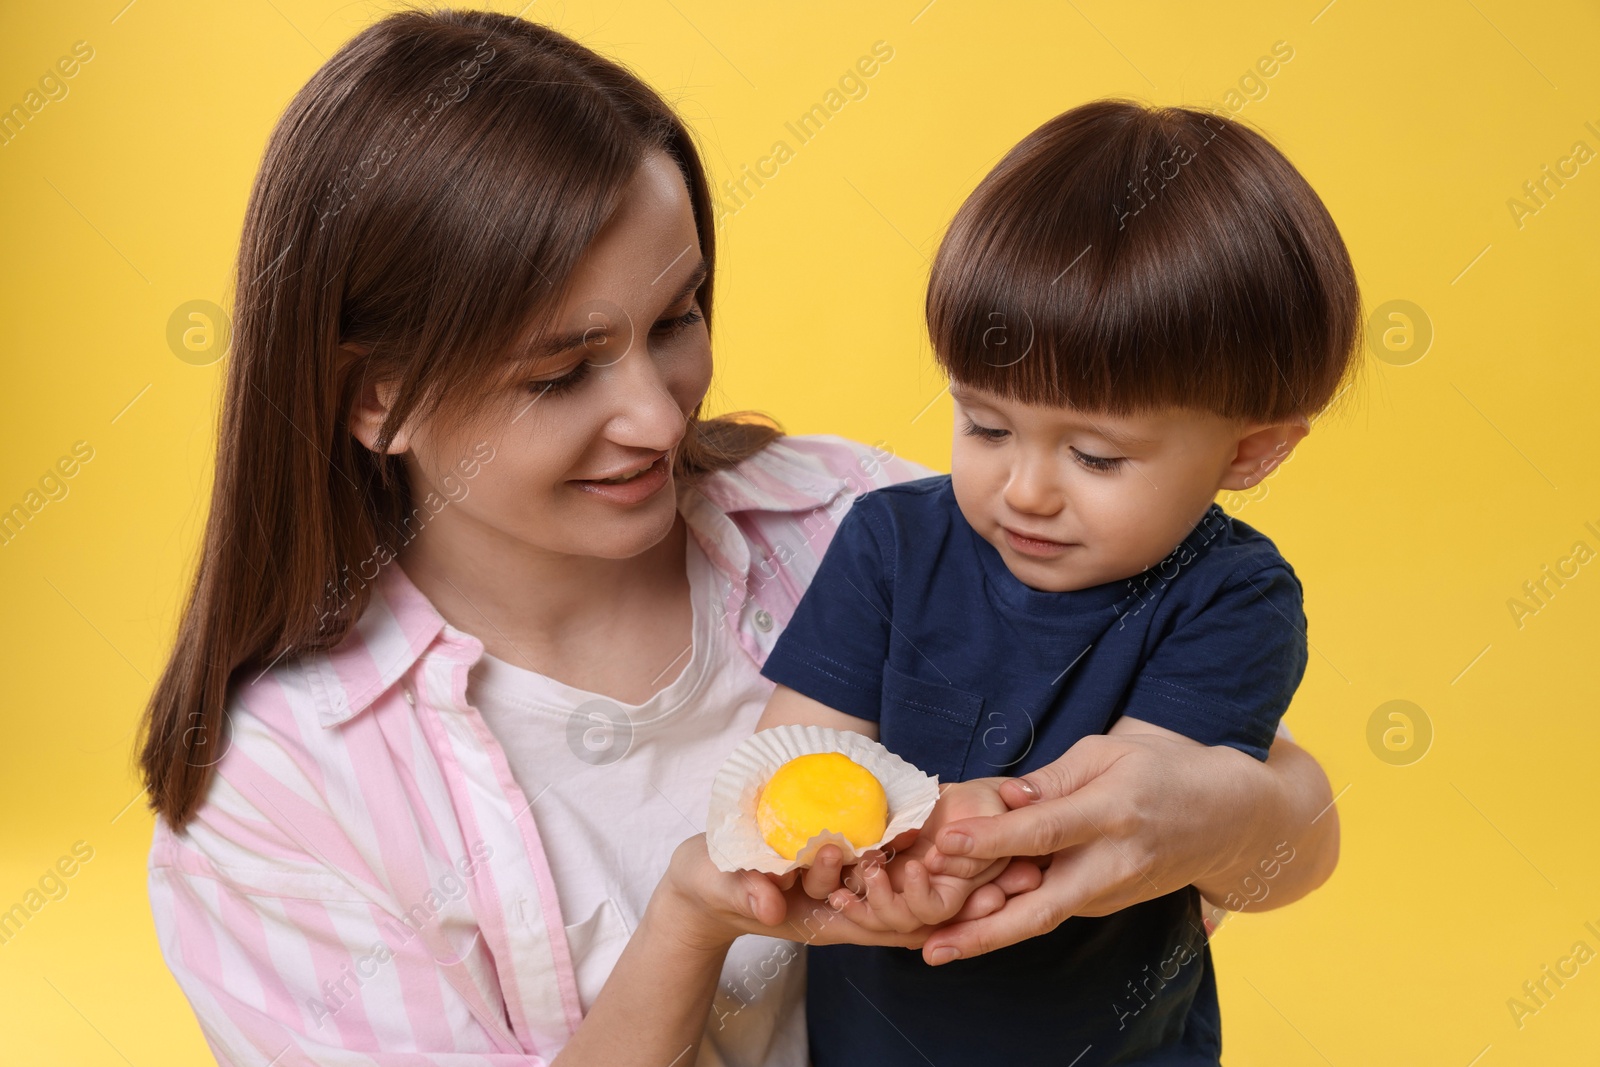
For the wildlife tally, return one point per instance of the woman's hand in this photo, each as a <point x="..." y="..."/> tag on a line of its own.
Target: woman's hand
<point x="1125" y="818"/>
<point x="707" y="908"/>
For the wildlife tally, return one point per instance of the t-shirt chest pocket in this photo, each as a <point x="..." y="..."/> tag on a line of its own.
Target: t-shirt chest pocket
<point x="928" y="724"/>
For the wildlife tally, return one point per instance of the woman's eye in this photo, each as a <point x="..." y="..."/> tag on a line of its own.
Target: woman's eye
<point x="972" y="429"/>
<point x="1098" y="463"/>
<point x="575" y="377"/>
<point x="679" y="323"/>
<point x="556" y="386"/>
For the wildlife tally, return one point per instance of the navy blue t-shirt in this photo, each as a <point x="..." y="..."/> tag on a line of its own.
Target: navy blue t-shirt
<point x="914" y="622"/>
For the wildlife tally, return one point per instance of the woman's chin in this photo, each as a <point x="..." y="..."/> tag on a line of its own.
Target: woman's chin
<point x="622" y="534"/>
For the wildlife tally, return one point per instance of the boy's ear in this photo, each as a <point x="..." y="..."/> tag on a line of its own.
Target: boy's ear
<point x="370" y="407"/>
<point x="1261" y="449"/>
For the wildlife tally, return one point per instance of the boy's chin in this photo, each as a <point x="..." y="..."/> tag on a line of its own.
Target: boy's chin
<point x="1047" y="576"/>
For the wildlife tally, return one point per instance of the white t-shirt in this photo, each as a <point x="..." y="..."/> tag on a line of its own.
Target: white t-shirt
<point x="615" y="788"/>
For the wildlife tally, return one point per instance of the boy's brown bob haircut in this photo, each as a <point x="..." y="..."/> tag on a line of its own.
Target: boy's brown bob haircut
<point x="1124" y="259"/>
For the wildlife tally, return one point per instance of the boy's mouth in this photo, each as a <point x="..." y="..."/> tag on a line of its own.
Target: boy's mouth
<point x="1030" y="545"/>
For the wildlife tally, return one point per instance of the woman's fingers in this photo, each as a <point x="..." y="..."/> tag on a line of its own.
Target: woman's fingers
<point x="782" y="881"/>
<point x="763" y="901"/>
<point x="1068" y="885"/>
<point x="1019" y="918"/>
<point x="956" y="866"/>
<point x="1042" y="827"/>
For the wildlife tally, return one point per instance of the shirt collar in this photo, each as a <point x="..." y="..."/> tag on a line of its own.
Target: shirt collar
<point x="397" y="626"/>
<point x="777" y="478"/>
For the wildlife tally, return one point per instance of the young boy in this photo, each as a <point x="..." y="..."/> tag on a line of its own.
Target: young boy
<point x="1137" y="309"/>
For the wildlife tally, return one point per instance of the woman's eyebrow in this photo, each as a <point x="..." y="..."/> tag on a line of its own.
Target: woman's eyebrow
<point x="556" y="345"/>
<point x="693" y="282"/>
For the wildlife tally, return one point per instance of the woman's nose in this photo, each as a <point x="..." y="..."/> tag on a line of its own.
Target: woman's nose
<point x="646" y="414"/>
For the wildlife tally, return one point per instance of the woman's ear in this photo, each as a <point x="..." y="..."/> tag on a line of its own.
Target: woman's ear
<point x="370" y="407"/>
<point x="1262" y="448"/>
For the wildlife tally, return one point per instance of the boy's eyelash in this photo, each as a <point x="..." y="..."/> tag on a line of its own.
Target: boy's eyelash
<point x="573" y="378"/>
<point x="1104" y="464"/>
<point x="1098" y="463"/>
<point x="972" y="429"/>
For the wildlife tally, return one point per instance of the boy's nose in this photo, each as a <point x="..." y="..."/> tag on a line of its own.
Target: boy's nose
<point x="1032" y="490"/>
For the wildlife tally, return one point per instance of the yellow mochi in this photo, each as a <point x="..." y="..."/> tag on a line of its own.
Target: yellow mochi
<point x="822" y="791"/>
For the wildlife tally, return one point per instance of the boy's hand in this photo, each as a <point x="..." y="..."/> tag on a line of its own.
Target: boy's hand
<point x="902" y="894"/>
<point x="827" y="871"/>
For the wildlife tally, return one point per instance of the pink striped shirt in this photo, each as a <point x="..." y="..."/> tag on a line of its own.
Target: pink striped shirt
<point x="364" y="882"/>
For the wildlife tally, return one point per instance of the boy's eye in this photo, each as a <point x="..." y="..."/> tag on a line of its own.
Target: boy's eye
<point x="1098" y="463"/>
<point x="972" y="429"/>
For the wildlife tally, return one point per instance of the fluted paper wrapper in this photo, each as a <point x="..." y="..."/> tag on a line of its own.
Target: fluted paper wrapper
<point x="734" y="839"/>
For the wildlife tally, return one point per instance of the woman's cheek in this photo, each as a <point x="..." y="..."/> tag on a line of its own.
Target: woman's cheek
<point x="695" y="373"/>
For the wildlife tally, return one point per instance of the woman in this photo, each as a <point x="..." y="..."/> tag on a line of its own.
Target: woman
<point x="482" y="602"/>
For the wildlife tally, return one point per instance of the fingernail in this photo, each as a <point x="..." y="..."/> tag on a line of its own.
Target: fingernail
<point x="754" y="914"/>
<point x="944" y="954"/>
<point x="1029" y="788"/>
<point x="955" y="843"/>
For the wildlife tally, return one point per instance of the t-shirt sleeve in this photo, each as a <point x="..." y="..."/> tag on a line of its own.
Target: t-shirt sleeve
<point x="833" y="649"/>
<point x="1226" y="674"/>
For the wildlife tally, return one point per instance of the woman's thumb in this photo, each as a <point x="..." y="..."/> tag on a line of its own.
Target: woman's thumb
<point x="1085" y="760"/>
<point x="757" y="898"/>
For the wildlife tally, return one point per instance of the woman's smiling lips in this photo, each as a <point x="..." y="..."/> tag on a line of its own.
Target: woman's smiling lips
<point x="1034" y="546"/>
<point x="636" y="483"/>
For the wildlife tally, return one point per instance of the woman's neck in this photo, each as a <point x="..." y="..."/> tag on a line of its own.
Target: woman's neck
<point x="620" y="627"/>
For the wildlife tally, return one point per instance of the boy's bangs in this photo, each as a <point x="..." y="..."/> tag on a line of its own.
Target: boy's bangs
<point x="1121" y="259"/>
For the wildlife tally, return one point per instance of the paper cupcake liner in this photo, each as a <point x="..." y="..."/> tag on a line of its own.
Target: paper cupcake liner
<point x="732" y="835"/>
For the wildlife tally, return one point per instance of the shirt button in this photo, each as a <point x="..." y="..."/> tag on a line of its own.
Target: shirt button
<point x="763" y="620"/>
<point x="411" y="698"/>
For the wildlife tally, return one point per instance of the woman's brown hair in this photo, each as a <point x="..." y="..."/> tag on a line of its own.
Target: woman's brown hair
<point x="420" y="203"/>
<point x="1125" y="258"/>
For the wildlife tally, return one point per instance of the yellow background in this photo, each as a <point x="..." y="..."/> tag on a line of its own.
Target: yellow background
<point x="1412" y="516"/>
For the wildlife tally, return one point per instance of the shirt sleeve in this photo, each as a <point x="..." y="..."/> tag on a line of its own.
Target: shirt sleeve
<point x="305" y="973"/>
<point x="1226" y="674"/>
<point x="833" y="649"/>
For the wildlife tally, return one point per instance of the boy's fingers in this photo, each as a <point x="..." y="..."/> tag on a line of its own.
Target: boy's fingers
<point x="984" y="901"/>
<point x="851" y="907"/>
<point x="850" y="877"/>
<point x="882" y="901"/>
<point x="822" y="877"/>
<point x="922" y="900"/>
<point x="889" y="907"/>
<point x="905" y="840"/>
<point x="1021" y="875"/>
